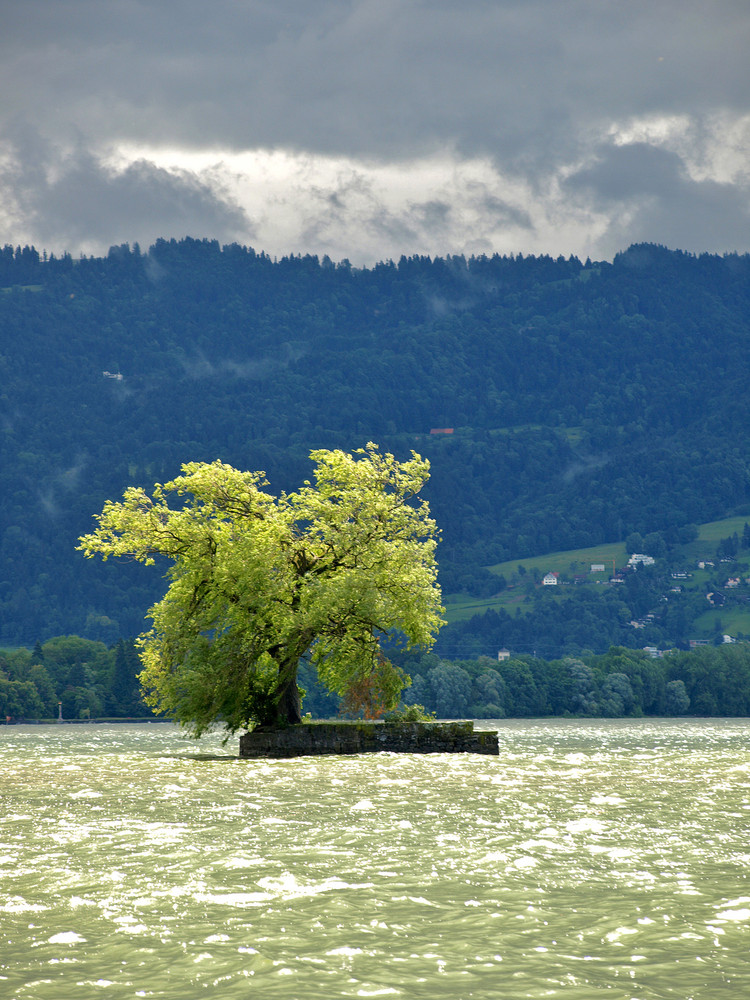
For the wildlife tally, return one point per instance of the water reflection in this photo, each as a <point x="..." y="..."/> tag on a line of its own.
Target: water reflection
<point x="587" y="858"/>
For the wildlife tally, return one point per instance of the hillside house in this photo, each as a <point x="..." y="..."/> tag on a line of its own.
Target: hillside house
<point x="639" y="559"/>
<point x="550" y="580"/>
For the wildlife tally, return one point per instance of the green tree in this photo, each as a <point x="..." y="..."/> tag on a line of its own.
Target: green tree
<point x="584" y="694"/>
<point x="617" y="695"/>
<point x="489" y="694"/>
<point x="44" y="684"/>
<point x="124" y="695"/>
<point x="676" y="700"/>
<point x="451" y="689"/>
<point x="257" y="582"/>
<point x="634" y="543"/>
<point x="20" y="700"/>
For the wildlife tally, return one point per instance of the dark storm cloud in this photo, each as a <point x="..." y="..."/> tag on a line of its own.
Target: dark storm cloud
<point x="530" y="86"/>
<point x="381" y="77"/>
<point x="74" y="198"/>
<point x="651" y="198"/>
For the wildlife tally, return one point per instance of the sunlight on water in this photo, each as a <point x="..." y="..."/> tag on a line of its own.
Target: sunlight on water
<point x="588" y="859"/>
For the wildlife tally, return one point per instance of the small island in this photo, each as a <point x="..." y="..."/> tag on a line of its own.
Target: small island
<point x="369" y="736"/>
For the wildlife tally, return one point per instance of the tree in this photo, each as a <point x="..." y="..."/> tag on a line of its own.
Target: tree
<point x="124" y="696"/>
<point x="583" y="700"/>
<point x="451" y="689"/>
<point x="617" y="694"/>
<point x="489" y="689"/>
<point x="634" y="543"/>
<point x="375" y="691"/>
<point x="676" y="700"/>
<point x="259" y="582"/>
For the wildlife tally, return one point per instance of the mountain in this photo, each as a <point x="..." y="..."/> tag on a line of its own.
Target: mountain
<point x="574" y="403"/>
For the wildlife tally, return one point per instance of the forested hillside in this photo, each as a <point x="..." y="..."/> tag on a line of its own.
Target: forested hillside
<point x="588" y="401"/>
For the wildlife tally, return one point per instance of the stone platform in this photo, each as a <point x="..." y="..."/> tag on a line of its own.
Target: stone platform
<point x="319" y="738"/>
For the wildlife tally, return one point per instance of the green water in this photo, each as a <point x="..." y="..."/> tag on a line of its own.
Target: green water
<point x="589" y="859"/>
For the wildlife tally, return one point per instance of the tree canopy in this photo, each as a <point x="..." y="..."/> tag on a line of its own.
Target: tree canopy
<point x="258" y="582"/>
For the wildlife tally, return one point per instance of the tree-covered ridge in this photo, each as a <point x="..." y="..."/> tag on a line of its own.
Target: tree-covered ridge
<point x="588" y="400"/>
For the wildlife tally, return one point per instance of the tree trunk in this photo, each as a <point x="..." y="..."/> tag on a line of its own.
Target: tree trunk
<point x="285" y="698"/>
<point x="290" y="704"/>
<point x="285" y="702"/>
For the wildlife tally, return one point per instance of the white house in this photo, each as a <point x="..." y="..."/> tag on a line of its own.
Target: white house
<point x="638" y="557"/>
<point x="550" y="580"/>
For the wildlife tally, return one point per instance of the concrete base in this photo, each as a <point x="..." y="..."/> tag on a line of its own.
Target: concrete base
<point x="317" y="738"/>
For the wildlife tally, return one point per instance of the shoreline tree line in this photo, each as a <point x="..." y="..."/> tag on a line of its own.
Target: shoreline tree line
<point x="93" y="680"/>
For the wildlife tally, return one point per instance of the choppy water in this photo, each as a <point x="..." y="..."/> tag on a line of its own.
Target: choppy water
<point x="588" y="859"/>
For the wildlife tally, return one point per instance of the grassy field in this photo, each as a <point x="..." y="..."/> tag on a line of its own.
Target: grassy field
<point x="460" y="607"/>
<point x="563" y="562"/>
<point x="709" y="536"/>
<point x="714" y="531"/>
<point x="733" y="621"/>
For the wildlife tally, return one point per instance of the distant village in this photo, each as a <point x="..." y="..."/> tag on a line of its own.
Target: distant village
<point x="618" y="576"/>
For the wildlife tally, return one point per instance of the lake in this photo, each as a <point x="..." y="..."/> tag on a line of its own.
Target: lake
<point x="591" y="858"/>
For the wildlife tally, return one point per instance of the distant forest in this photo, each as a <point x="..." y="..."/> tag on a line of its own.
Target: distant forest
<point x="574" y="403"/>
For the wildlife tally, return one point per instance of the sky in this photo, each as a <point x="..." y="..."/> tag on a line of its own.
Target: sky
<point x="368" y="129"/>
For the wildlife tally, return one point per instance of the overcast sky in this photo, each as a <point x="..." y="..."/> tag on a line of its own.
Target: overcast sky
<point x="371" y="128"/>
